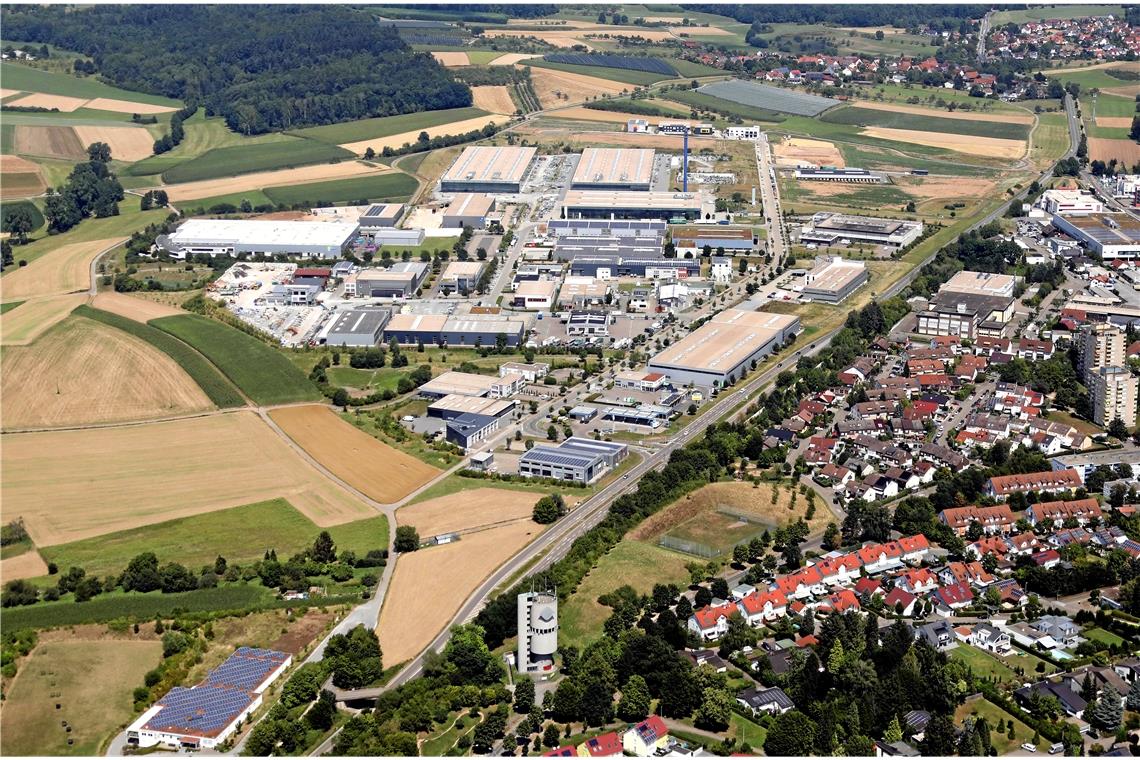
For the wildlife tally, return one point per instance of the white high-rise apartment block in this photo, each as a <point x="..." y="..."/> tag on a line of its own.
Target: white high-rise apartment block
<point x="1113" y="391"/>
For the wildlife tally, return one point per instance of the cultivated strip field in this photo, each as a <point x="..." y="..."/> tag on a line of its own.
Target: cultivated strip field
<point x="84" y="372"/>
<point x="127" y="143"/>
<point x="452" y="58"/>
<point x="126" y="106"/>
<point x="581" y="113"/>
<point x="131" y="307"/>
<point x="509" y="59"/>
<point x="371" y="466"/>
<point x="35" y="317"/>
<point x="1002" y="118"/>
<point x="27" y="565"/>
<point x="70" y="485"/>
<point x="398" y="140"/>
<point x="42" y="100"/>
<point x="1106" y="149"/>
<point x="466" y="510"/>
<point x="208" y="188"/>
<point x="493" y="99"/>
<point x="20" y="178"/>
<point x="792" y="151"/>
<point x="67" y="269"/>
<point x="4" y="93"/>
<point x="1114" y="122"/>
<point x="418" y="605"/>
<point x="48" y="141"/>
<point x="988" y="147"/>
<point x="549" y="84"/>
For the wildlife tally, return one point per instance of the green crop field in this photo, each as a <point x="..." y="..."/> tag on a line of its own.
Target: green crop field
<point x="720" y="105"/>
<point x="370" y="129"/>
<point x="244" y="159"/>
<point x="1100" y="78"/>
<point x="198" y="540"/>
<point x="7" y="138"/>
<point x="7" y="307"/>
<point x="627" y="76"/>
<point x="870" y="117"/>
<point x="201" y="136"/>
<point x="1054" y="12"/>
<point x="203" y="205"/>
<point x="263" y="374"/>
<point x="380" y="187"/>
<point x="20" y="77"/>
<point x="1051" y="137"/>
<point x="220" y="390"/>
<point x="1112" y="105"/>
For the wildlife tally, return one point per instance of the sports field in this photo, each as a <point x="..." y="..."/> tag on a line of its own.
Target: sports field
<point x="262" y="373"/>
<point x="374" y="468"/>
<point x="466" y="510"/>
<point x="429" y="585"/>
<point x="91" y="682"/>
<point x="240" y="534"/>
<point x="35" y="317"/>
<point x="76" y="484"/>
<point x="250" y="159"/>
<point x="247" y="183"/>
<point x="67" y="269"/>
<point x="390" y="186"/>
<point x="83" y="372"/>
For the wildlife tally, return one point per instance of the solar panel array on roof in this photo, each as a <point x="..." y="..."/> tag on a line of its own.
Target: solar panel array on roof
<point x="551" y="455"/>
<point x="606" y="226"/>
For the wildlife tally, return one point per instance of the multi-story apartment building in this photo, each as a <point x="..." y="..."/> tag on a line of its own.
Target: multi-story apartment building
<point x="1113" y="390"/>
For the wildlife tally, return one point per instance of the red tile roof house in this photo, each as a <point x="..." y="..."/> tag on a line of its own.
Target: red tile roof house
<point x="761" y="606"/>
<point x="988" y="545"/>
<point x="605" y="745"/>
<point x="710" y="623"/>
<point x="1053" y="514"/>
<point x="868" y="587"/>
<point x="1023" y="543"/>
<point x="840" y="570"/>
<point x="920" y="581"/>
<point x="995" y="519"/>
<point x="952" y="597"/>
<point x="966" y="572"/>
<point x="1052" y="480"/>
<point x="1047" y="558"/>
<point x="914" y="548"/>
<point x="879" y="557"/>
<point x="840" y="602"/>
<point x="839" y="474"/>
<point x="901" y="601"/>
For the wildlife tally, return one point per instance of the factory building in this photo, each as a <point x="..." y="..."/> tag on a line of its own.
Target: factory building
<point x="538" y="631"/>
<point x="394" y="236"/>
<point x="967" y="315"/>
<point x="535" y="294"/>
<point x="984" y="283"/>
<point x="471" y="384"/>
<point x="619" y="228"/>
<point x="357" y="328"/>
<point x="232" y="237"/>
<point x="398" y="281"/>
<point x="465" y="330"/>
<point x="607" y="267"/>
<point x="588" y="323"/>
<point x="834" y="278"/>
<point x="470" y="420"/>
<point x="743" y="133"/>
<point x="569" y="248"/>
<point x="488" y="169"/>
<point x="1110" y="236"/>
<point x="621" y="204"/>
<point x="723" y="349"/>
<point x="381" y="215"/>
<point x="691" y="240"/>
<point x="614" y="169"/>
<point x="827" y="228"/>
<point x="468" y="210"/>
<point x="582" y="291"/>
<point x="581" y="460"/>
<point x="1070" y="202"/>
<point x="461" y="276"/>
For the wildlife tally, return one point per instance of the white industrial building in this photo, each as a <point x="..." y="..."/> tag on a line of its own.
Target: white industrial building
<point x="230" y="237"/>
<point x="724" y="348"/>
<point x="834" y="278"/>
<point x="1072" y="202"/>
<point x="827" y="228"/>
<point x="1110" y="236"/>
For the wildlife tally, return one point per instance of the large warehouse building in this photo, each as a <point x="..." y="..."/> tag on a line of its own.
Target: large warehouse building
<point x="1110" y="236"/>
<point x="468" y="210"/>
<point x="443" y="330"/>
<point x="357" y="327"/>
<point x="834" y="278"/>
<point x="722" y="350"/>
<point x="624" y="204"/>
<point x="621" y="228"/>
<point x="397" y="281"/>
<point x="486" y="169"/>
<point x="827" y="228"/>
<point x="327" y="240"/>
<point x="581" y="460"/>
<point x="691" y="240"/>
<point x="381" y="215"/>
<point x="614" y="169"/>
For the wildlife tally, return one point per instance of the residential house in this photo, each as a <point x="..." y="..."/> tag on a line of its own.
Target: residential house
<point x="901" y="601"/>
<point x="990" y="638"/>
<point x="1071" y="702"/>
<point x="644" y="739"/>
<point x="1063" y="630"/>
<point x="606" y="745"/>
<point x="1053" y="514"/>
<point x="761" y="700"/>
<point x="939" y="634"/>
<point x="710" y="623"/>
<point x="952" y="597"/>
<point x="762" y="606"/>
<point x="920" y="581"/>
<point x="995" y="519"/>
<point x="1001" y="486"/>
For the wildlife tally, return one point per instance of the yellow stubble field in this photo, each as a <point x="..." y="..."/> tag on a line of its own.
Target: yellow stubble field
<point x="67" y="269"/>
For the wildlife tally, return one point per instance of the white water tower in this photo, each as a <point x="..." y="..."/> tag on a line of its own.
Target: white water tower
<point x="538" y="631"/>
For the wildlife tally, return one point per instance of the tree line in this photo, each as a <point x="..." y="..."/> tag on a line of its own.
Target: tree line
<point x="91" y="189"/>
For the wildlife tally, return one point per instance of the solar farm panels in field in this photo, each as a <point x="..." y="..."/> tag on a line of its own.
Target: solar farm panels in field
<point x="768" y="97"/>
<point x="652" y="65"/>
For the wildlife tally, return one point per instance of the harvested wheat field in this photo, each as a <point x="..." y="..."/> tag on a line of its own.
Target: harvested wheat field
<point x="1105" y="149"/>
<point x="494" y="98"/>
<point x="84" y="372"/>
<point x="1124" y="91"/>
<point x="509" y="59"/>
<point x="371" y="466"/>
<point x="429" y="586"/>
<point x="133" y="307"/>
<point x="73" y="484"/>
<point x="20" y="178"/>
<point x="936" y="188"/>
<point x="27" y="565"/>
<point x="5" y="93"/>
<point x="33" y="318"/>
<point x="475" y="508"/>
<point x="207" y="188"/>
<point x="452" y="58"/>
<point x="126" y="106"/>
<point x="794" y="151"/>
<point x="43" y="100"/>
<point x="67" y="269"/>
<point x="396" y="141"/>
<point x="622" y="139"/>
<point x="127" y="143"/>
<point x="699" y="31"/>
<point x="562" y="39"/>
<point x="1114" y="122"/>
<point x="50" y="142"/>
<point x="549" y="84"/>
<point x="971" y="145"/>
<point x="942" y="113"/>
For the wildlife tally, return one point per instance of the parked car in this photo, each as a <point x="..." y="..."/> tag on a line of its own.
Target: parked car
<point x="1029" y="747"/>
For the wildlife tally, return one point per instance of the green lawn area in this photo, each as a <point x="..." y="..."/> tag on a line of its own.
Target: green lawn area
<point x="201" y="136"/>
<point x="1002" y="668"/>
<point x="240" y="534"/>
<point x="1054" y="12"/>
<point x="455" y="484"/>
<point x="1051" y="137"/>
<point x="381" y="187"/>
<point x="1101" y="636"/>
<point x="1113" y="105"/>
<point x="1099" y="78"/>
<point x="634" y="563"/>
<point x="17" y="76"/>
<point x="245" y="159"/>
<point x="1084" y="426"/>
<point x="746" y="731"/>
<point x="873" y="117"/>
<point x="263" y="374"/>
<point x="384" y="126"/>
<point x="626" y="76"/>
<point x="213" y="383"/>
<point x="982" y="708"/>
<point x="377" y="379"/>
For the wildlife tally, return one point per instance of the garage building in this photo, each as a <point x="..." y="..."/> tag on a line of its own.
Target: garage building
<point x="326" y="240"/>
<point x="357" y="328"/>
<point x="468" y="210"/>
<point x="722" y="350"/>
<point x="488" y="169"/>
<point x="614" y="169"/>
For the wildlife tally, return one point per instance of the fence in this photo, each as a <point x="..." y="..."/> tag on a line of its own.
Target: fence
<point x="695" y="548"/>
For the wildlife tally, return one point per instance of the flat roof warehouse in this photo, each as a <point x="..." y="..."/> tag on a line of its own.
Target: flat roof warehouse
<point x="490" y="164"/>
<point x="614" y="167"/>
<point x="720" y="348"/>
